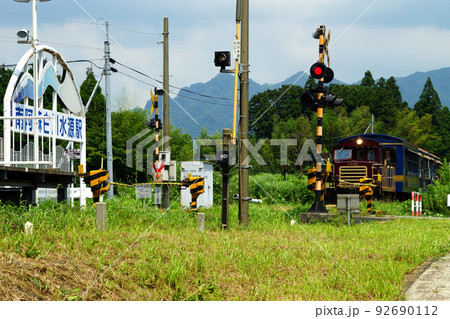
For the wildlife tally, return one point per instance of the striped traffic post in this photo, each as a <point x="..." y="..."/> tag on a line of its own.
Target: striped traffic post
<point x="416" y="204"/>
<point x="366" y="190"/>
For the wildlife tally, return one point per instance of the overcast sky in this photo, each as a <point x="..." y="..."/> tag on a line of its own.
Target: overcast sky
<point x="387" y="37"/>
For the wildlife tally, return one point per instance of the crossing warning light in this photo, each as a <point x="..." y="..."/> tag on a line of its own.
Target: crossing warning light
<point x="222" y="59"/>
<point x="320" y="71"/>
<point x="308" y="99"/>
<point x="332" y="100"/>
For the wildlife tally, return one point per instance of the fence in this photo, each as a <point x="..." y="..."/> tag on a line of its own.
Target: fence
<point x="24" y="157"/>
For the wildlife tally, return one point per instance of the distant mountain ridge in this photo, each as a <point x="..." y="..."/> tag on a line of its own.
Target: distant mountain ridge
<point x="216" y="114"/>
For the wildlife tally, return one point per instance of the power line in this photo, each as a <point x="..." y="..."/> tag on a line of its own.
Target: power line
<point x="134" y="31"/>
<point x="173" y="86"/>
<point x="180" y="95"/>
<point x="78" y="22"/>
<point x="50" y="42"/>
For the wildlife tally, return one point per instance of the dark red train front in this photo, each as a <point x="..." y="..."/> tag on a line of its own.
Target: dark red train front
<point x="401" y="167"/>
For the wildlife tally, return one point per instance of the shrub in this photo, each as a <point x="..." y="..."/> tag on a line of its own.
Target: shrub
<point x="435" y="197"/>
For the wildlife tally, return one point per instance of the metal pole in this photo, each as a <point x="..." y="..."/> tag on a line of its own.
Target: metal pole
<point x="35" y="84"/>
<point x="372" y="123"/>
<point x="225" y="178"/>
<point x="243" y="133"/>
<point x="166" y="120"/>
<point x="236" y="66"/>
<point x="109" y="152"/>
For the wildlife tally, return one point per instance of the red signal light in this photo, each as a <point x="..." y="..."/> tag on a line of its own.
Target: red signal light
<point x="318" y="70"/>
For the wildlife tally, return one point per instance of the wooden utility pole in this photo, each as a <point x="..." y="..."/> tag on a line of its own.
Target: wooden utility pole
<point x="225" y="177"/>
<point x="243" y="129"/>
<point x="166" y="122"/>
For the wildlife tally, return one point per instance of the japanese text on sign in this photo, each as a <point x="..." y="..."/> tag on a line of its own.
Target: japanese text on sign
<point x="68" y="127"/>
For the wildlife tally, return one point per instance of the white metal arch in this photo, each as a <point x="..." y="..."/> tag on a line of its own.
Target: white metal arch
<point x="21" y="90"/>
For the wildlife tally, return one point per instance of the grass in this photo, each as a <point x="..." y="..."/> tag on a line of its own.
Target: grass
<point x="147" y="254"/>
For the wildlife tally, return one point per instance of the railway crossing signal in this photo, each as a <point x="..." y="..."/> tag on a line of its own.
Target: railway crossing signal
<point x="222" y="59"/>
<point x="318" y="99"/>
<point x="157" y="175"/>
<point x="320" y="71"/>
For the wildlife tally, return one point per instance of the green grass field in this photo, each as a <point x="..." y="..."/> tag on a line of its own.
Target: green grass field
<point x="147" y="254"/>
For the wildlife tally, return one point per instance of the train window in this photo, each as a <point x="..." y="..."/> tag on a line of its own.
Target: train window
<point x="359" y="155"/>
<point x="342" y="154"/>
<point x="389" y="156"/>
<point x="420" y="167"/>
<point x="371" y="155"/>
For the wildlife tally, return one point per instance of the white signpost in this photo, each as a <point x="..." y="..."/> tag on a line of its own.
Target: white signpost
<point x="143" y="191"/>
<point x="158" y="195"/>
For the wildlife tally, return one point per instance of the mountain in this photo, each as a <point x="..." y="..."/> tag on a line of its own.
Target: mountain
<point x="411" y="86"/>
<point x="192" y="112"/>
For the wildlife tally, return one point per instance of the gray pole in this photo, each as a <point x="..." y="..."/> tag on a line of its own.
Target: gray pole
<point x="243" y="133"/>
<point x="109" y="152"/>
<point x="372" y="123"/>
<point x="166" y="120"/>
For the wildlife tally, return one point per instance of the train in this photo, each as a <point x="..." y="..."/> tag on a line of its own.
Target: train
<point x="395" y="165"/>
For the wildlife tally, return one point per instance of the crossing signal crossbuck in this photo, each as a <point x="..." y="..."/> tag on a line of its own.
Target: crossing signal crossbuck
<point x="97" y="180"/>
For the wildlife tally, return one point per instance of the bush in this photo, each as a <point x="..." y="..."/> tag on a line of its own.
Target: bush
<point x="272" y="187"/>
<point x="435" y="197"/>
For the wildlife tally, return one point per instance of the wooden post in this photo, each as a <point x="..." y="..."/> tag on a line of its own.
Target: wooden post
<point x="100" y="216"/>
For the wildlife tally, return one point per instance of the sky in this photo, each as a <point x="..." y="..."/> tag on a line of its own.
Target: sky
<point x="387" y="37"/>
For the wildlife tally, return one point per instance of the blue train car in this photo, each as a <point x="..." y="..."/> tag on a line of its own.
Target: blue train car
<point x="403" y="166"/>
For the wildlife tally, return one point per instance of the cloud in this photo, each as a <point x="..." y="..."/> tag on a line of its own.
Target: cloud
<point x="392" y="38"/>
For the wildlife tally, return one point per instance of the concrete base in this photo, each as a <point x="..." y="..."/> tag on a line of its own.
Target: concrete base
<point x="361" y="219"/>
<point x="100" y="216"/>
<point x="315" y="217"/>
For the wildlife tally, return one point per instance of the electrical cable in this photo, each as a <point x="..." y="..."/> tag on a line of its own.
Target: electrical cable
<point x="180" y="95"/>
<point x="173" y="86"/>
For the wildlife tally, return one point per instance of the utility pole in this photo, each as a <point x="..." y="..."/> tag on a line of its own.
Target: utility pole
<point x="109" y="152"/>
<point x="243" y="129"/>
<point x="166" y="120"/>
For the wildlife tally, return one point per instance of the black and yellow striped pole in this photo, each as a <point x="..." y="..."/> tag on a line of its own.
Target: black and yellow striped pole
<point x="366" y="189"/>
<point x="318" y="205"/>
<point x="317" y="99"/>
<point x="311" y="184"/>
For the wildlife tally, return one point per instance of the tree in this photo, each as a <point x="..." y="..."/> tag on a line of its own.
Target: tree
<point x="95" y="122"/>
<point x="429" y="101"/>
<point x="267" y="106"/>
<point x="368" y="80"/>
<point x="310" y="83"/>
<point x="5" y="75"/>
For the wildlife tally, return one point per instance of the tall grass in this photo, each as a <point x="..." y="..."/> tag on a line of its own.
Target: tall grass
<point x="149" y="254"/>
